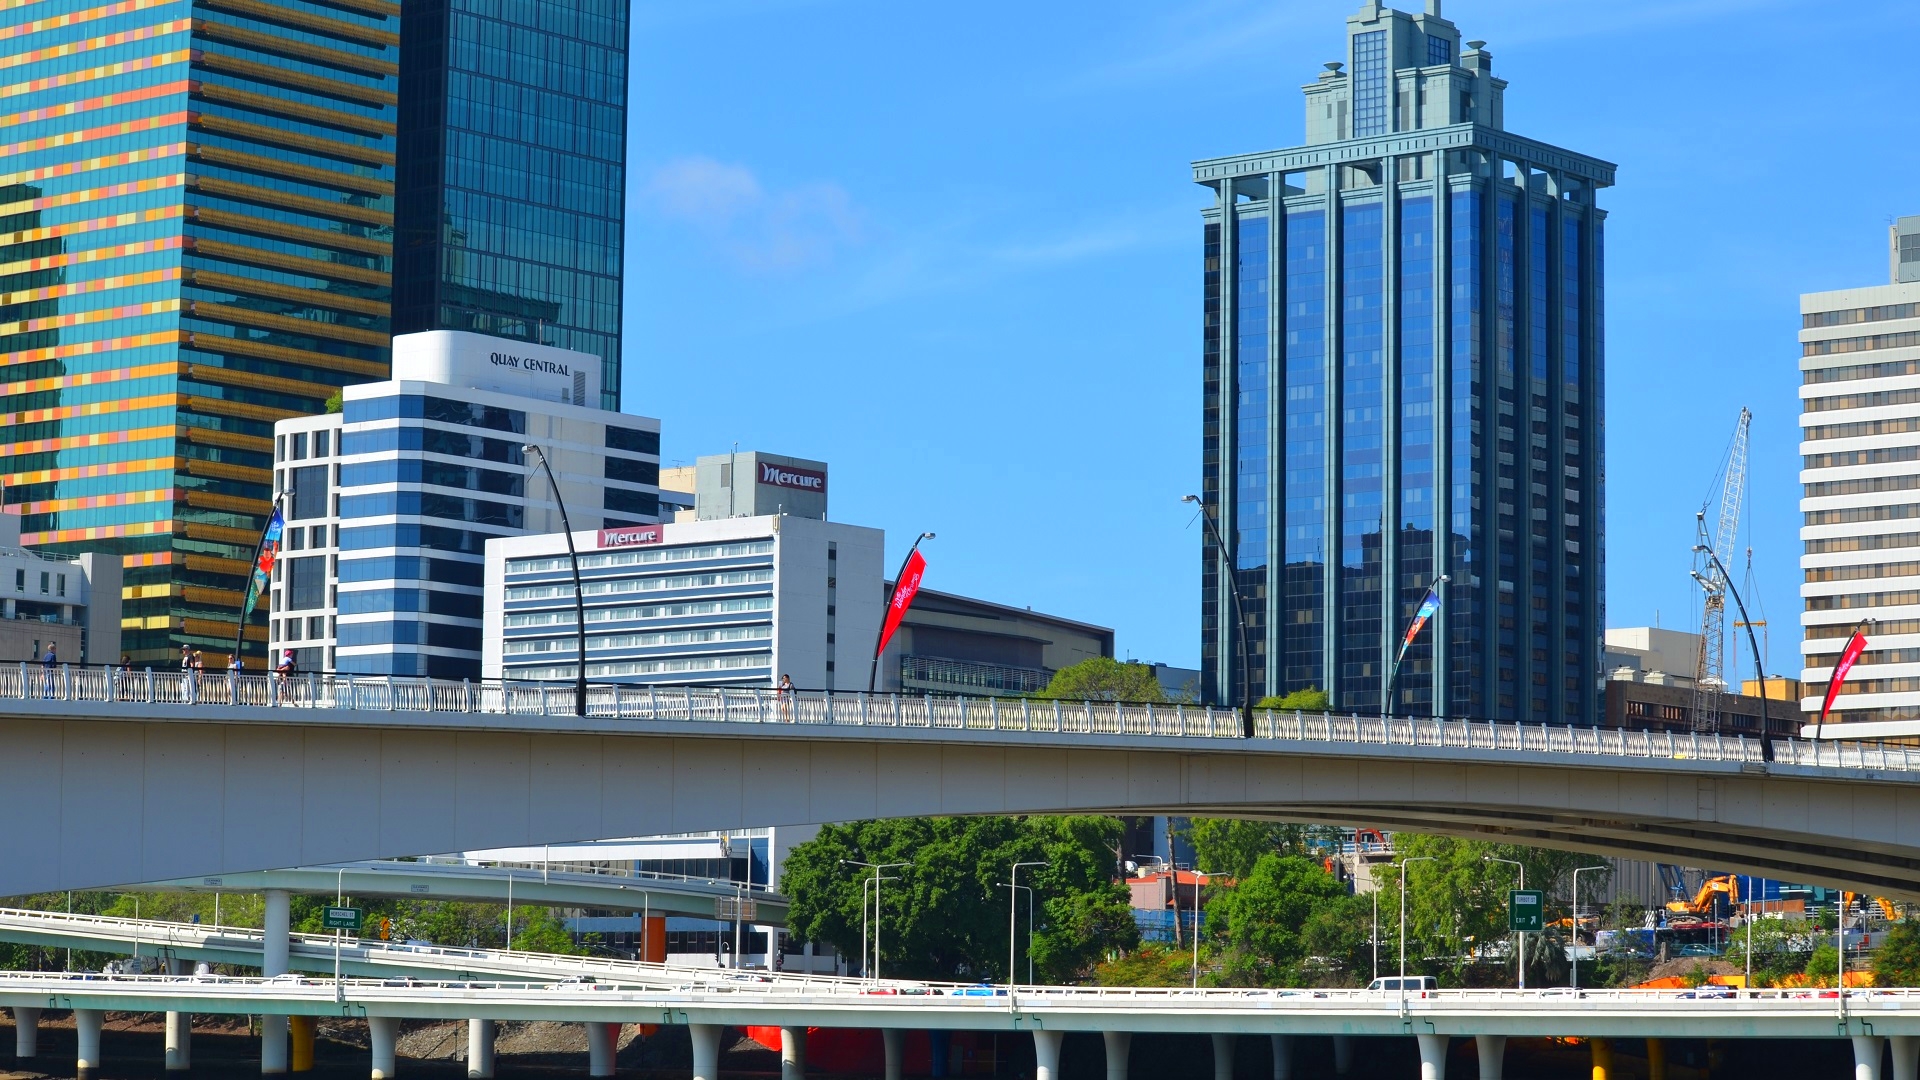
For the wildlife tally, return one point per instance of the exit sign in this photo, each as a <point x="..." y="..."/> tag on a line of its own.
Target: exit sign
<point x="341" y="918"/>
<point x="1526" y="911"/>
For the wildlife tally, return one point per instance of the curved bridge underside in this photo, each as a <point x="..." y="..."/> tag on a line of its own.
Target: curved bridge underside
<point x="91" y="803"/>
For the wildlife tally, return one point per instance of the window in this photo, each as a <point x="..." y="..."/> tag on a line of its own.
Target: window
<point x="299" y="445"/>
<point x="638" y="442"/>
<point x="438" y="410"/>
<point x="432" y="441"/>
<point x="45" y="582"/>
<point x="309" y="492"/>
<point x="316" y="627"/>
<point x="1439" y="51"/>
<point x="1370" y="93"/>
<point x="60" y="585"/>
<point x="620" y="500"/>
<point x="306" y="582"/>
<point x="320" y="442"/>
<point x="630" y="471"/>
<point x="20" y="581"/>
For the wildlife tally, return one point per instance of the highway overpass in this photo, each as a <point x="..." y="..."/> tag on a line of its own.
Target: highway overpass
<point x="99" y="791"/>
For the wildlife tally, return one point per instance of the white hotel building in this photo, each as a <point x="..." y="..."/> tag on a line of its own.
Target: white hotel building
<point x="1860" y="504"/>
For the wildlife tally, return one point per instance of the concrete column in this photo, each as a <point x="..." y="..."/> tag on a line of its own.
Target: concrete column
<point x="895" y="1043"/>
<point x="1492" y="1051"/>
<point x="382" y="1032"/>
<point x="273" y="961"/>
<point x="1656" y="1059"/>
<point x="1433" y="1056"/>
<point x="793" y="1053"/>
<point x="1282" y="1057"/>
<point x="1118" y="1043"/>
<point x="86" y="1023"/>
<point x="1342" y="1054"/>
<point x="1602" y="1059"/>
<point x="1906" y="1057"/>
<point x="1223" y="1057"/>
<point x="26" y="1032"/>
<point x="300" y="1031"/>
<point x="480" y="1049"/>
<point x="1867" y="1050"/>
<point x="179" y="1042"/>
<point x="602" y="1040"/>
<point x="706" y="1051"/>
<point x="1046" y="1055"/>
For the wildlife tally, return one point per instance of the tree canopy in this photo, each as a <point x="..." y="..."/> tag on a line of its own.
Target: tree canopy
<point x="1311" y="699"/>
<point x="1259" y="924"/>
<point x="1102" y="678"/>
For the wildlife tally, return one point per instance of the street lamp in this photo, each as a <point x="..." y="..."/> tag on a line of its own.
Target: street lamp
<point x="879" y="637"/>
<point x="1519" y="937"/>
<point x="1239" y="621"/>
<point x="1575" y="951"/>
<point x="1403" y="924"/>
<point x="877" y="879"/>
<point x="1013" y="897"/>
<point x="1016" y="890"/>
<point x="1759" y="668"/>
<point x="579" y="599"/>
<point x="1199" y="917"/>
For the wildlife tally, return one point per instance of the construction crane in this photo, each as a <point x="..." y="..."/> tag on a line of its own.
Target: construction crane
<point x="1710" y="674"/>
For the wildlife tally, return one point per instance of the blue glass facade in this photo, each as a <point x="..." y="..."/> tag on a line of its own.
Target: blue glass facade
<point x="1363" y="452"/>
<point x="1302" y="619"/>
<point x="1253" y="508"/>
<point x="513" y="188"/>
<point x="1418" y="467"/>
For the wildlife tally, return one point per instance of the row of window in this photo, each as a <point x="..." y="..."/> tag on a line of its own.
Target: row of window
<point x="1892" y="426"/>
<point x="1885" y="370"/>
<point x="636" y="585"/>
<point x="1861" y="485"/>
<point x="649" y="611"/>
<point x="1884" y="455"/>
<point x="1863" y="600"/>
<point x="1862" y="573"/>
<point x="414" y="568"/>
<point x="1881" y="627"/>
<point x="430" y="601"/>
<point x="641" y="557"/>
<point x="433" y="473"/>
<point x="1850" y="514"/>
<point x="433" y="505"/>
<point x="49" y="579"/>
<point x="1861" y="344"/>
<point x="437" y="410"/>
<point x="1849" y="316"/>
<point x="1863" y="401"/>
<point x="645" y="641"/>
<point x="677" y="664"/>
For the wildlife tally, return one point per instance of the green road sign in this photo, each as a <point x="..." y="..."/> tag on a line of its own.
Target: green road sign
<point x="1527" y="911"/>
<point x="341" y="918"/>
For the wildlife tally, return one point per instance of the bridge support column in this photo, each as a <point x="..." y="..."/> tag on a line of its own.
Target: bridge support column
<point x="179" y="1042"/>
<point x="1118" y="1043"/>
<point x="382" y="1033"/>
<point x="479" y="1049"/>
<point x="602" y="1040"/>
<point x="300" y="1038"/>
<point x="1602" y="1059"/>
<point x="273" y="961"/>
<point x="1342" y="1054"/>
<point x="1223" y="1057"/>
<point x="1433" y="1056"/>
<point x="86" y="1025"/>
<point x="26" y="1032"/>
<point x="1492" y="1051"/>
<point x="793" y="1053"/>
<point x="706" y="1051"/>
<point x="894" y="1041"/>
<point x="1046" y="1054"/>
<point x="1656" y="1059"/>
<point x="1282" y="1057"/>
<point x="1867" y="1051"/>
<point x="1906" y="1057"/>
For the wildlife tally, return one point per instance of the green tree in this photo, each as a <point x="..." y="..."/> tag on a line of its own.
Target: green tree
<point x="1310" y="700"/>
<point x="1259" y="923"/>
<point x="1232" y="846"/>
<point x="1778" y="951"/>
<point x="536" y="930"/>
<point x="1153" y="964"/>
<point x="1822" y="964"/>
<point x="1102" y="678"/>
<point x="336" y="401"/>
<point x="1897" y="961"/>
<point x="1338" y="937"/>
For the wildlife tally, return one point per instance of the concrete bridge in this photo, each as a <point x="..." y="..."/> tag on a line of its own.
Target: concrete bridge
<point x="104" y="783"/>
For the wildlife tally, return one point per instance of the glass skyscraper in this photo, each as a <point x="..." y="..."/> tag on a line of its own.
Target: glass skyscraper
<point x="512" y="182"/>
<point x="1402" y="351"/>
<point x="195" y="230"/>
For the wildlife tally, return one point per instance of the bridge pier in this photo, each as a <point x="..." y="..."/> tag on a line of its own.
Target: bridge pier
<point x="1342" y="1054"/>
<point x="1046" y="1054"/>
<point x="1282" y="1057"/>
<point x="1223" y="1057"/>
<point x="382" y="1033"/>
<point x="1656" y="1059"/>
<point x="26" y="1033"/>
<point x="1906" y="1057"/>
<point x="1118" y="1044"/>
<point x="86" y="1026"/>
<point x="1492" y="1052"/>
<point x="793" y="1053"/>
<point x="1433" y="1056"/>
<point x="300" y="1030"/>
<point x="602" y="1040"/>
<point x="179" y="1042"/>
<point x="894" y="1042"/>
<point x="479" y="1049"/>
<point x="1867" y="1051"/>
<point x="706" y="1051"/>
<point x="1602" y="1058"/>
<point x="273" y="961"/>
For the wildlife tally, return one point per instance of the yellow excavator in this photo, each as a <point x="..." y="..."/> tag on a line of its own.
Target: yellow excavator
<point x="1885" y="905"/>
<point x="1709" y="897"/>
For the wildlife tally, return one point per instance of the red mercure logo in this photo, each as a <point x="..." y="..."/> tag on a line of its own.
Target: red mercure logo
<point x="788" y="477"/>
<point x="632" y="536"/>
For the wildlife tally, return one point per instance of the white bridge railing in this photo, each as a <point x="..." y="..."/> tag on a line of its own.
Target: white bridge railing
<point x="114" y="688"/>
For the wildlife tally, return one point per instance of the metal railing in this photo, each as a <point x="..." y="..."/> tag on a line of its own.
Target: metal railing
<point x="378" y="693"/>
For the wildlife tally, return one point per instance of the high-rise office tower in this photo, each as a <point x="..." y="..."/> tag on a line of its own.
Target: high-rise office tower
<point x="1860" y="485"/>
<point x="195" y="217"/>
<point x="1403" y="375"/>
<point x="512" y="185"/>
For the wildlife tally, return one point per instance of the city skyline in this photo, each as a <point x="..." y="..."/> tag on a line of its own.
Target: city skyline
<point x="825" y="222"/>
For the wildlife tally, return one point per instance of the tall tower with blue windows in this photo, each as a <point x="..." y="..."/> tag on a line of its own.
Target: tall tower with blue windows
<point x="1403" y="346"/>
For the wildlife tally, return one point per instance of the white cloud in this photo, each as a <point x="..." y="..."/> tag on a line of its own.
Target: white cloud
<point x="758" y="228"/>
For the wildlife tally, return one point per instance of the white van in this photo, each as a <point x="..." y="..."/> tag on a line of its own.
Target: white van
<point x="1411" y="983"/>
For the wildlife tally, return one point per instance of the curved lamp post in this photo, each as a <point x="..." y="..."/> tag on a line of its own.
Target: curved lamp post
<point x="1239" y="616"/>
<point x="579" y="600"/>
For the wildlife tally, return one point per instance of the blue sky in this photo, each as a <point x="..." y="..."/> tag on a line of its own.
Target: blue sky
<point x="954" y="250"/>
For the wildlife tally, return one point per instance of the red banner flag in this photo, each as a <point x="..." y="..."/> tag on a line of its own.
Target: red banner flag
<point x="903" y="594"/>
<point x="1849" y="656"/>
